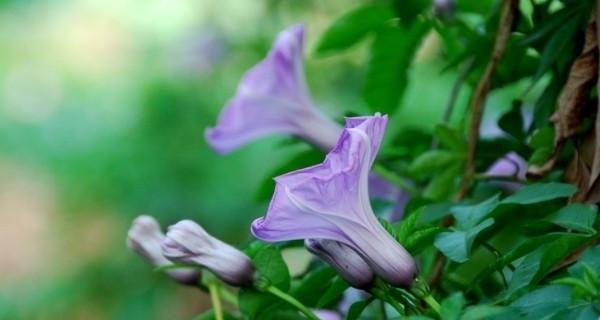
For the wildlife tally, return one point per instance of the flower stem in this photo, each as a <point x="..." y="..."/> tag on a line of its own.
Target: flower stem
<point x="291" y="300"/>
<point x="213" y="289"/>
<point x="228" y="296"/>
<point x="430" y="300"/>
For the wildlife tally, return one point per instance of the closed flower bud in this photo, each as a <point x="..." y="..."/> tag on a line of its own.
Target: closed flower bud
<point x="350" y="266"/>
<point x="327" y="314"/>
<point x="187" y="242"/>
<point x="145" y="237"/>
<point x="444" y="8"/>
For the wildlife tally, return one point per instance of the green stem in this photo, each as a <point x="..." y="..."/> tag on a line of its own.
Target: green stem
<point x="381" y="290"/>
<point x="430" y="300"/>
<point x="228" y="296"/>
<point x="213" y="289"/>
<point x="291" y="300"/>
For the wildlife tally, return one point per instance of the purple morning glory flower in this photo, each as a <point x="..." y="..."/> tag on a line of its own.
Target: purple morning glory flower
<point x="188" y="242"/>
<point x="144" y="238"/>
<point x="344" y="260"/>
<point x="272" y="97"/>
<point x="510" y="165"/>
<point x="331" y="201"/>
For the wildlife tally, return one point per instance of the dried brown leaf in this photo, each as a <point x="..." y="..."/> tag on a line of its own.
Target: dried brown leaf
<point x="582" y="77"/>
<point x="579" y="171"/>
<point x="568" y="116"/>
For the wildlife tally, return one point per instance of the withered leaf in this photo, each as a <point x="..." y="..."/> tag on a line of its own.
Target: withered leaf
<point x="582" y="77"/>
<point x="568" y="116"/>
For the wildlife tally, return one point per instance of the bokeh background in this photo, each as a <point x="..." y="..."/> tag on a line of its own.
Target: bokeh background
<point x="103" y="105"/>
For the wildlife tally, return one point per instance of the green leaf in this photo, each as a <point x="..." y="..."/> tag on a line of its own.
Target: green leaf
<point x="435" y="212"/>
<point x="540" y="156"/>
<point x="482" y="312"/>
<point x="468" y="217"/>
<point x="557" y="44"/>
<point x="442" y="185"/>
<point x="529" y="245"/>
<point x="450" y="138"/>
<point x="415" y="238"/>
<point x="543" y="303"/>
<point x="546" y="103"/>
<point x="335" y="291"/>
<point x="474" y="6"/>
<point x="541" y="192"/>
<point x="255" y="304"/>
<point x="408" y="11"/>
<point x="577" y="312"/>
<point x="388" y="227"/>
<point x="456" y="245"/>
<point x="270" y="264"/>
<point x="526" y="271"/>
<point x="557" y="251"/>
<point x="543" y="137"/>
<point x="591" y="258"/>
<point x="433" y="161"/>
<point x="407" y="226"/>
<point x="353" y="26"/>
<point x="579" y="217"/>
<point x="555" y="33"/>
<point x="315" y="281"/>
<point x="357" y="308"/>
<point x="542" y="143"/>
<point x="391" y="55"/>
<point x="451" y="308"/>
<point x="512" y="122"/>
<point x="538" y="263"/>
<point x="526" y="9"/>
<point x="420" y="239"/>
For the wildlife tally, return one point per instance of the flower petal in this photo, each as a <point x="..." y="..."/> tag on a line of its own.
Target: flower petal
<point x="313" y="202"/>
<point x="331" y="201"/>
<point x="272" y="97"/>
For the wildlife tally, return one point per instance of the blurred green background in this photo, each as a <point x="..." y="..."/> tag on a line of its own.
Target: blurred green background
<point x="103" y="105"/>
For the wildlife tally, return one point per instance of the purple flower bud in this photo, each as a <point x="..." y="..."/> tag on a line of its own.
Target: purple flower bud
<point x="144" y="238"/>
<point x="327" y="314"/>
<point x="443" y="8"/>
<point x="349" y="264"/>
<point x="510" y="165"/>
<point x="187" y="242"/>
<point x="331" y="201"/>
<point x="272" y="97"/>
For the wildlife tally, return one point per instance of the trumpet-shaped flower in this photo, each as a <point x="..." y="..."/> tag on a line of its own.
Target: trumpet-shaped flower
<point x="331" y="201"/>
<point x="272" y="97"/>
<point x="188" y="242"/>
<point x="145" y="237"/>
<point x="344" y="260"/>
